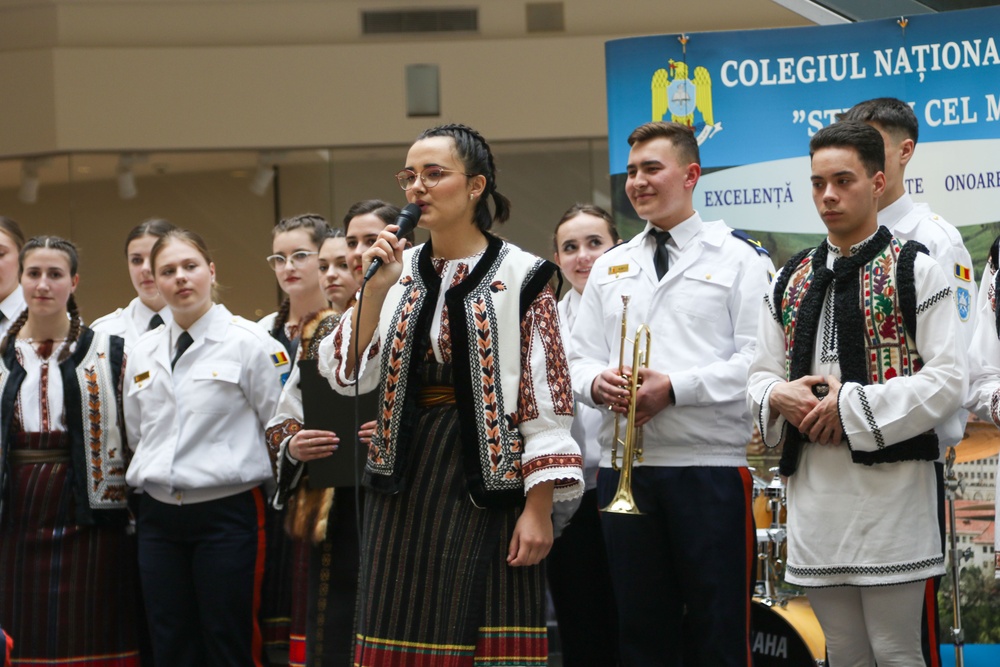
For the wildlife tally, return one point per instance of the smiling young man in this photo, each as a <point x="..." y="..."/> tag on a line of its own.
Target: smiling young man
<point x="855" y="368"/>
<point x="684" y="566"/>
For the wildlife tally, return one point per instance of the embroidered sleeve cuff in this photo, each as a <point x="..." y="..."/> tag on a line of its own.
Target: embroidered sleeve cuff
<point x="771" y="426"/>
<point x="288" y="476"/>
<point x="553" y="456"/>
<point x="995" y="406"/>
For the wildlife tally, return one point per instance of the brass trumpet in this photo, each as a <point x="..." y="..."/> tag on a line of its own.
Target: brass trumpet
<point x="623" y="501"/>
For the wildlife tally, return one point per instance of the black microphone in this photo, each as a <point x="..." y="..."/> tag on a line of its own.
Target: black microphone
<point x="406" y="220"/>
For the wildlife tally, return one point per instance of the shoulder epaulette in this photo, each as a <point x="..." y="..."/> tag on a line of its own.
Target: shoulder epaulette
<point x="754" y="243"/>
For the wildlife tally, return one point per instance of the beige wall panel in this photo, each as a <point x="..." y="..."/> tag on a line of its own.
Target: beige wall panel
<point x="29" y="106"/>
<point x="333" y="95"/>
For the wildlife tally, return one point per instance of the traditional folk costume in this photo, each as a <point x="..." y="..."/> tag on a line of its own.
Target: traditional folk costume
<point x="67" y="567"/>
<point x="984" y="365"/>
<point x="323" y="528"/>
<point x="472" y="418"/>
<point x="863" y="514"/>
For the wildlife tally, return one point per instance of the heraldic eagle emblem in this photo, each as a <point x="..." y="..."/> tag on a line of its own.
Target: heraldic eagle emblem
<point x="674" y="92"/>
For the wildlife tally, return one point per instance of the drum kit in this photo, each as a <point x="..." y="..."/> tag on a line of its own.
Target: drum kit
<point x="784" y="629"/>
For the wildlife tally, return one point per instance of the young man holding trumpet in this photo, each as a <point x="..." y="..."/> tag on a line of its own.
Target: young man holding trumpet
<point x="684" y="566"/>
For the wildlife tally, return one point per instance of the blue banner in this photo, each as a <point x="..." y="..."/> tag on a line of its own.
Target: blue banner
<point x="755" y="98"/>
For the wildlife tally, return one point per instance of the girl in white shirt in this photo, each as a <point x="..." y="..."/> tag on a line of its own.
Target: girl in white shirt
<point x="147" y="310"/>
<point x="11" y="294"/>
<point x="198" y="395"/>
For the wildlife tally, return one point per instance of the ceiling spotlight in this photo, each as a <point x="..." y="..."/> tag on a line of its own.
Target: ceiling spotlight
<point x="267" y="161"/>
<point x="126" y="174"/>
<point x="29" y="181"/>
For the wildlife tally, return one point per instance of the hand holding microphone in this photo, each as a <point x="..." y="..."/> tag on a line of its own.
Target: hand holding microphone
<point x="406" y="221"/>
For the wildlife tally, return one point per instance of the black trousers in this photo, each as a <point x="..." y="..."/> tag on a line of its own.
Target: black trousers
<point x="580" y="583"/>
<point x="201" y="567"/>
<point x="683" y="571"/>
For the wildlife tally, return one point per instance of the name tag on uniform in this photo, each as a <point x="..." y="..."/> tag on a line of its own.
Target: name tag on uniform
<point x="141" y="377"/>
<point x="617" y="269"/>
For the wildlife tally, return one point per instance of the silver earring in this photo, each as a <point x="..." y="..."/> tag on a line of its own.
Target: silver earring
<point x="472" y="196"/>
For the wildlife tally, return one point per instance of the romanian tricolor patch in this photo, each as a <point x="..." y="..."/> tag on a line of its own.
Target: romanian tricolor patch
<point x="963" y="273"/>
<point x="279" y="358"/>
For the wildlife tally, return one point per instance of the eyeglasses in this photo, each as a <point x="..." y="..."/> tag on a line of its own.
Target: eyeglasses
<point x="430" y="176"/>
<point x="278" y="261"/>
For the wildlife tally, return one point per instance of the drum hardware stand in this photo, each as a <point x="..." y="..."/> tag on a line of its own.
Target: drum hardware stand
<point x="776" y="534"/>
<point x="952" y="485"/>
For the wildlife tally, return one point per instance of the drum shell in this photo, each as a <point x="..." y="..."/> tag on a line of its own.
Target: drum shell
<point x="786" y="635"/>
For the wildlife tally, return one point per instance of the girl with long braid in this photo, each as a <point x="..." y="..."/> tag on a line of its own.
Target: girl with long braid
<point x="67" y="566"/>
<point x="461" y="337"/>
<point x="147" y="310"/>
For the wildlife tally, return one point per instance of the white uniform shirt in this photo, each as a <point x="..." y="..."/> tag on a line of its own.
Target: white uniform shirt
<point x="586" y="420"/>
<point x="854" y="524"/>
<point x="910" y="221"/>
<point x="703" y="315"/>
<point x="11" y="307"/>
<point x="198" y="431"/>
<point x="984" y="381"/>
<point x="131" y="321"/>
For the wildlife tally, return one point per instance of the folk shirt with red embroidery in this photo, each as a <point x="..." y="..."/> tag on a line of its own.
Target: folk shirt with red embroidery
<point x="513" y="392"/>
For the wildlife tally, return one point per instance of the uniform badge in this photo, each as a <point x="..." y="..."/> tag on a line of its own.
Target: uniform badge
<point x="963" y="273"/>
<point x="964" y="301"/>
<point x="284" y="378"/>
<point x="279" y="358"/>
<point x="141" y="377"/>
<point x="615" y="270"/>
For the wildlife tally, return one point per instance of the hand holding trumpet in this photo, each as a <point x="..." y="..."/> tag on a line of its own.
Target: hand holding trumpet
<point x="610" y="388"/>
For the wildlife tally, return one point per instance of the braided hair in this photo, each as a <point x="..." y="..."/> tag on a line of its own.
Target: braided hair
<point x="76" y="324"/>
<point x="318" y="229"/>
<point x="477" y="158"/>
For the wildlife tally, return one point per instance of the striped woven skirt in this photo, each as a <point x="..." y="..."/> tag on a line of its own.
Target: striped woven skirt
<point x="67" y="592"/>
<point x="436" y="590"/>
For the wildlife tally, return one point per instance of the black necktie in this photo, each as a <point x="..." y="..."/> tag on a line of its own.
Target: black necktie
<point x="154" y="322"/>
<point x="661" y="260"/>
<point x="183" y="342"/>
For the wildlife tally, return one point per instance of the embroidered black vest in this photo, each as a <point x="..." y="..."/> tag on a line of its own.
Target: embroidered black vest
<point x="874" y="301"/>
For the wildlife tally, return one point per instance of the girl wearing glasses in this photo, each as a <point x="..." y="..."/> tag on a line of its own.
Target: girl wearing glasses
<point x="198" y="394"/>
<point x="295" y="249"/>
<point x="322" y="521"/>
<point x="147" y="310"/>
<point x="67" y="565"/>
<point x="461" y="337"/>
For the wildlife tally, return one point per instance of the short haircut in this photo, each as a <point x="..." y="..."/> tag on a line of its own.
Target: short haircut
<point x="863" y="138"/>
<point x="892" y="115"/>
<point x="681" y="136"/>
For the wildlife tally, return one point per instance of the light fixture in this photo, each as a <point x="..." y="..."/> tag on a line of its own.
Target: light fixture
<point x="29" y="180"/>
<point x="264" y="176"/>
<point x="126" y="174"/>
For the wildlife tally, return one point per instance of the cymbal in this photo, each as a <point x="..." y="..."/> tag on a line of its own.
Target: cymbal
<point x="981" y="441"/>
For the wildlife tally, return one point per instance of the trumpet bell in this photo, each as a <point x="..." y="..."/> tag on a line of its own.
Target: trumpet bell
<point x="622" y="503"/>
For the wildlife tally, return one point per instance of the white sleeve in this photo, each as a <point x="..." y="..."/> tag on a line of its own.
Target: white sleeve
<point x="766" y="370"/>
<point x="336" y="348"/>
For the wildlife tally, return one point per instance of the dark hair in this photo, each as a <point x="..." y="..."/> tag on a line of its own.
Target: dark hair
<point x="588" y="209"/>
<point x="681" y="136"/>
<point x="892" y="115"/>
<point x="313" y="223"/>
<point x="153" y="227"/>
<point x="13" y="230"/>
<point x="382" y="210"/>
<point x="477" y="158"/>
<point x="318" y="229"/>
<point x="67" y="248"/>
<point x="863" y="138"/>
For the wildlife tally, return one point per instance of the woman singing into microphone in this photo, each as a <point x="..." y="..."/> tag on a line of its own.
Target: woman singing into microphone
<point x="472" y="444"/>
